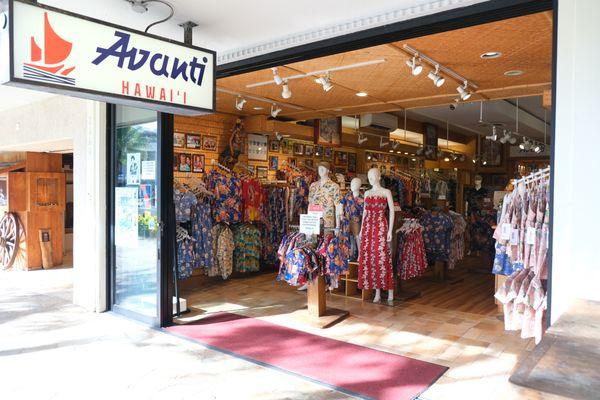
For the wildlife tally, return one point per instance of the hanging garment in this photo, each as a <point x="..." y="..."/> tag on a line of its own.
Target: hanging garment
<point x="457" y="239"/>
<point x="276" y="221"/>
<point x="253" y="197"/>
<point x="227" y="203"/>
<point x="375" y="259"/>
<point x="202" y="233"/>
<point x="223" y="247"/>
<point x="437" y="235"/>
<point x="300" y="196"/>
<point x="184" y="201"/>
<point x="352" y="211"/>
<point x="327" y="195"/>
<point x="248" y="243"/>
<point x="185" y="257"/>
<point x="410" y="260"/>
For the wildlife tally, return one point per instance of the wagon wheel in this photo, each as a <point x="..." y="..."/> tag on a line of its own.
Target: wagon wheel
<point x="9" y="240"/>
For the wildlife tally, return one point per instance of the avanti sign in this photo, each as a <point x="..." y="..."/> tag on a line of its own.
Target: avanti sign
<point x="44" y="48"/>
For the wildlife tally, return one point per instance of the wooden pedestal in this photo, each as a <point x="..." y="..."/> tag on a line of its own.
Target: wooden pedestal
<point x="317" y="314"/>
<point x="440" y="274"/>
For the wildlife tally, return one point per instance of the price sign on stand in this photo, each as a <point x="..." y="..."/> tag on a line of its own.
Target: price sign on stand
<point x="310" y="224"/>
<point x="315" y="209"/>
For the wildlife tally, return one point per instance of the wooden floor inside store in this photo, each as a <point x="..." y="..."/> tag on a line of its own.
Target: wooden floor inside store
<point x="455" y="325"/>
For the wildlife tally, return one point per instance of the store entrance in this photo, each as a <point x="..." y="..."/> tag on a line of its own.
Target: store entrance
<point x="444" y="126"/>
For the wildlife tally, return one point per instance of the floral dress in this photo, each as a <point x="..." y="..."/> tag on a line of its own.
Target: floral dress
<point x="410" y="252"/>
<point x="253" y="197"/>
<point x="375" y="258"/>
<point x="202" y="234"/>
<point x="184" y="203"/>
<point x="227" y="204"/>
<point x="352" y="213"/>
<point x="326" y="194"/>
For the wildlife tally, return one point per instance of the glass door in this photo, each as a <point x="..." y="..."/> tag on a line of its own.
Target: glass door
<point x="135" y="212"/>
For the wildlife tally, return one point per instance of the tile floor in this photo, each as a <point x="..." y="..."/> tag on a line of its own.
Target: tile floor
<point x="475" y="346"/>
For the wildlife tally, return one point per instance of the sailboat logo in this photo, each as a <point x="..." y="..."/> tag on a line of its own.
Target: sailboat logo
<point x="48" y="65"/>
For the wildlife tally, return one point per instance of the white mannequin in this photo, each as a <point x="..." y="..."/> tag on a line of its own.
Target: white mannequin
<point x="374" y="176"/>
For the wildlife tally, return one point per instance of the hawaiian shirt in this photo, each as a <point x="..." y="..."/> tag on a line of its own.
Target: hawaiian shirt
<point x="202" y="234"/>
<point x="248" y="242"/>
<point x="227" y="204"/>
<point x="184" y="201"/>
<point x="327" y="195"/>
<point x="223" y="247"/>
<point x="253" y="196"/>
<point x="437" y="236"/>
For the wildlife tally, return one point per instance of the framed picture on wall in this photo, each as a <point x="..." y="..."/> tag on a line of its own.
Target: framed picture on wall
<point x="298" y="149"/>
<point x="193" y="141"/>
<point x="292" y="161"/>
<point x="340" y="158"/>
<point x="178" y="139"/>
<point x="309" y="150"/>
<point x="327" y="153"/>
<point x="273" y="163"/>
<point x="328" y="131"/>
<point x="285" y="146"/>
<point x="251" y="170"/>
<point x="198" y="163"/>
<point x="262" y="172"/>
<point x="351" y="162"/>
<point x="185" y="162"/>
<point x="257" y="147"/>
<point x="274" y="146"/>
<point x="319" y="151"/>
<point x="209" y="143"/>
<point x="309" y="163"/>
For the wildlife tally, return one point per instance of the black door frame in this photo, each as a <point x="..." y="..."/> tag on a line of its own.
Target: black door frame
<point x="477" y="14"/>
<point x="164" y="169"/>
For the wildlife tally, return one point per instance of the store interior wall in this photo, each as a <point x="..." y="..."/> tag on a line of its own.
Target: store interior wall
<point x="575" y="264"/>
<point x="63" y="123"/>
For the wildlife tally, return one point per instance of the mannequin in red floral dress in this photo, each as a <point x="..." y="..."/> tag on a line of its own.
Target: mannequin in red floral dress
<point x="375" y="258"/>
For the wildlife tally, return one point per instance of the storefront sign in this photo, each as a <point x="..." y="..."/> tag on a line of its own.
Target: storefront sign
<point x="310" y="224"/>
<point x="44" y="48"/>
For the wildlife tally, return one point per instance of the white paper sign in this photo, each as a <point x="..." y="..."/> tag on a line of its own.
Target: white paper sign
<point x="133" y="168"/>
<point x="514" y="237"/>
<point x="83" y="57"/>
<point x="310" y="224"/>
<point x="315" y="209"/>
<point x="126" y="216"/>
<point x="149" y="170"/>
<point x="506" y="230"/>
<point x="530" y="236"/>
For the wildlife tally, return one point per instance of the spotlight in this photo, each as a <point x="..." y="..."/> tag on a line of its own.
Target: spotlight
<point x="362" y="138"/>
<point x="415" y="66"/>
<point x="383" y="143"/>
<point x="484" y="162"/>
<point x="512" y="140"/>
<point x="275" y="110"/>
<point x="447" y="159"/>
<point x="278" y="136"/>
<point x="326" y="82"/>
<point x="461" y="158"/>
<point x="239" y="103"/>
<point x="464" y="92"/>
<point x="276" y="78"/>
<point x="435" y="76"/>
<point x="395" y="144"/>
<point x="454" y="156"/>
<point x="362" y="94"/>
<point x="537" y="148"/>
<point x="526" y="145"/>
<point x="494" y="136"/>
<point x="369" y="156"/>
<point x="286" y="93"/>
<point x="475" y="160"/>
<point x="506" y="137"/>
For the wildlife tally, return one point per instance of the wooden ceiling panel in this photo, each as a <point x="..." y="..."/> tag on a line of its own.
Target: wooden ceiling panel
<point x="525" y="43"/>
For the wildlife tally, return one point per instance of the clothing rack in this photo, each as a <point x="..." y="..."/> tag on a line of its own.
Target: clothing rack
<point x="535" y="176"/>
<point x="218" y="164"/>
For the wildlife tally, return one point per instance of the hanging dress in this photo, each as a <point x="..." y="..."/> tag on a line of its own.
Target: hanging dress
<point x="375" y="258"/>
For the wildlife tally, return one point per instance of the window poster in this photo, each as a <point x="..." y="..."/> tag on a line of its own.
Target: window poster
<point x="133" y="168"/>
<point x="126" y="216"/>
<point x="149" y="170"/>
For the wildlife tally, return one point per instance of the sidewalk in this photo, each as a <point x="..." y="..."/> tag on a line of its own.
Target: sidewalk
<point x="51" y="349"/>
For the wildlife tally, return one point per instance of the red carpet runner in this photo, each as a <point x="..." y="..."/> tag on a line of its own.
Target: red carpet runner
<point x="352" y="369"/>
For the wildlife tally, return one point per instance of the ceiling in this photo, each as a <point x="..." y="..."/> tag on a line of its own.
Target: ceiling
<point x="11" y="97"/>
<point x="525" y="43"/>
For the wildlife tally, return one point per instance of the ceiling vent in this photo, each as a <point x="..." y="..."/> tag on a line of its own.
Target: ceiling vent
<point x="384" y="122"/>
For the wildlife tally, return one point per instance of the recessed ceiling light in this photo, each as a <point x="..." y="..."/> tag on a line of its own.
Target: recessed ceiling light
<point x="258" y="108"/>
<point x="337" y="109"/>
<point x="513" y="72"/>
<point x="490" y="54"/>
<point x="362" y="94"/>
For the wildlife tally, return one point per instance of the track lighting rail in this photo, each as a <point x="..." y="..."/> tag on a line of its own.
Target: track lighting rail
<point x="261" y="99"/>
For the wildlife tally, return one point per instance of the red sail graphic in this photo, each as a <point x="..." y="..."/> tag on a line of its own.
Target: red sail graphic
<point x="56" y="50"/>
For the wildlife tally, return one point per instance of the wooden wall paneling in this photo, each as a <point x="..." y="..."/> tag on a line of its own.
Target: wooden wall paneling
<point x="45" y="188"/>
<point x="18" y="196"/>
<point x="43" y="162"/>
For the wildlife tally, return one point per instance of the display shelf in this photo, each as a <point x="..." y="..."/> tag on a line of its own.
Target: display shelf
<point x="348" y="284"/>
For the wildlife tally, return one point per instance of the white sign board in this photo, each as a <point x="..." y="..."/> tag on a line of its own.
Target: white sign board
<point x="310" y="224"/>
<point x="133" y="168"/>
<point x="126" y="216"/>
<point x="148" y="170"/>
<point x="58" y="51"/>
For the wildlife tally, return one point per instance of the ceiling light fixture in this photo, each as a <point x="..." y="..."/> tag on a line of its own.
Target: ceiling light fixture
<point x="463" y="91"/>
<point x="490" y="54"/>
<point x="435" y="77"/>
<point x="325" y="81"/>
<point x="275" y="110"/>
<point x="239" y="103"/>
<point x="286" y="93"/>
<point x="415" y="66"/>
<point x="494" y="136"/>
<point x="447" y="159"/>
<point x="383" y="143"/>
<point x="362" y="138"/>
<point x="258" y="108"/>
<point x="362" y="94"/>
<point x="276" y="78"/>
<point x="395" y="144"/>
<point x="513" y="72"/>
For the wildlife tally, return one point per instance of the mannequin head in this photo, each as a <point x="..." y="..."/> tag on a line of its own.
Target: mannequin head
<point x="478" y="181"/>
<point x="355" y="185"/>
<point x="374" y="176"/>
<point x="323" y="170"/>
